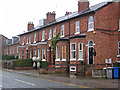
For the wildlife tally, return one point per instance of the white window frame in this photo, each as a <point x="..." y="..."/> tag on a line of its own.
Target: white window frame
<point x="90" y="23"/>
<point x="29" y="38"/>
<point x="54" y="32"/>
<point x="39" y="52"/>
<point x="118" y="49"/>
<point x="10" y="50"/>
<point x="72" y="59"/>
<point x="57" y="59"/>
<point x="35" y="53"/>
<point x="50" y="34"/>
<point x="77" y="27"/>
<point x="23" y="39"/>
<point x="22" y="54"/>
<point x="79" y="58"/>
<point x="43" y="35"/>
<point x="63" y="59"/>
<point x="19" y="54"/>
<point x="7" y="51"/>
<point x="30" y="54"/>
<point x="62" y="30"/>
<point x="43" y="52"/>
<point x="119" y="25"/>
<point x="34" y="37"/>
<point x="13" y="49"/>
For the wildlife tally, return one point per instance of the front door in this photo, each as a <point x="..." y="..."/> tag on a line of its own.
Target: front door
<point x="90" y="55"/>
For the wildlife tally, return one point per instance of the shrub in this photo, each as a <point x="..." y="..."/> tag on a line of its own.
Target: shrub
<point x="22" y="63"/>
<point x="43" y="64"/>
<point x="8" y="57"/>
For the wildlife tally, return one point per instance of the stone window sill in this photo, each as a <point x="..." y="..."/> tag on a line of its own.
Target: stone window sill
<point x="118" y="56"/>
<point x="57" y="60"/>
<point x="80" y="59"/>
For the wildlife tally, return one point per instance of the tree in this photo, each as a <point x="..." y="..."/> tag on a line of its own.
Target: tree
<point x="54" y="42"/>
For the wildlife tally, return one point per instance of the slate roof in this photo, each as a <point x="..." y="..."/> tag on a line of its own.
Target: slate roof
<point x="93" y="8"/>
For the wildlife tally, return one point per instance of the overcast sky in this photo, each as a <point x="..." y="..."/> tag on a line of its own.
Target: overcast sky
<point x="15" y="14"/>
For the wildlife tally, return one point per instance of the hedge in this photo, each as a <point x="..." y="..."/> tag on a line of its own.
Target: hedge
<point x="22" y="63"/>
<point x="8" y="57"/>
<point x="44" y="64"/>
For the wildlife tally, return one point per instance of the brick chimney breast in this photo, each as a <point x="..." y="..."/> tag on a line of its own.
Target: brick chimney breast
<point x="82" y="5"/>
<point x="50" y="16"/>
<point x="30" y="26"/>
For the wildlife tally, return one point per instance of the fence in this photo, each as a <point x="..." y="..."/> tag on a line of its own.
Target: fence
<point x="101" y="73"/>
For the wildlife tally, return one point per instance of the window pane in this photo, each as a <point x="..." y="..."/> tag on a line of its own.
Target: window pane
<point x="62" y="30"/>
<point x="81" y="54"/>
<point x="72" y="46"/>
<point x="38" y="52"/>
<point x="54" y="32"/>
<point x="73" y="55"/>
<point x="43" y="35"/>
<point x="50" y="33"/>
<point x="63" y="52"/>
<point x="90" y="23"/>
<point x="80" y="46"/>
<point x="22" y="54"/>
<point x="35" y="37"/>
<point x="58" y="53"/>
<point x="119" y="51"/>
<point x="119" y="24"/>
<point x="30" y="38"/>
<point x="43" y="53"/>
<point x="77" y="26"/>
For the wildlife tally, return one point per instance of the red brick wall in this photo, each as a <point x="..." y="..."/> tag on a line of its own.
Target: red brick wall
<point x="7" y="49"/>
<point x="107" y="19"/>
<point x="105" y="41"/>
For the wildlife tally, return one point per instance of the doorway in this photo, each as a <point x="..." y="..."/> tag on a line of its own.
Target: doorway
<point x="90" y="52"/>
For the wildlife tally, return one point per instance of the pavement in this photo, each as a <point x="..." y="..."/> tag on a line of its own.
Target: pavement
<point x="108" y="84"/>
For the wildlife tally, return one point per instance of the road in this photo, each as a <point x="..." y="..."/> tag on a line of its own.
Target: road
<point x="13" y="80"/>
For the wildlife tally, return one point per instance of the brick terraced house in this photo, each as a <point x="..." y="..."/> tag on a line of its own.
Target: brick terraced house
<point x="91" y="35"/>
<point x="10" y="46"/>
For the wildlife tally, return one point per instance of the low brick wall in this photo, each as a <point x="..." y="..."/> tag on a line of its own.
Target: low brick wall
<point x="52" y="70"/>
<point x="23" y="68"/>
<point x="43" y="70"/>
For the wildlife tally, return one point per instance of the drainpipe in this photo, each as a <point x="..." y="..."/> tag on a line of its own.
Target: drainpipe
<point x="69" y="47"/>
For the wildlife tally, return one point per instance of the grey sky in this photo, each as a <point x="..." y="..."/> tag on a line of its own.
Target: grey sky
<point x="15" y="14"/>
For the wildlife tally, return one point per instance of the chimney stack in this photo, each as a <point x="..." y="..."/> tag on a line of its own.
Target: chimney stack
<point x="50" y="16"/>
<point x="30" y="26"/>
<point x="82" y="5"/>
